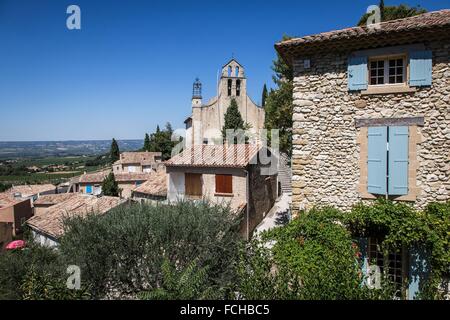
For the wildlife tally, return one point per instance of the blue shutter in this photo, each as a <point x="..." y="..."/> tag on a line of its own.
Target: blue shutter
<point x="398" y="161"/>
<point x="419" y="269"/>
<point x="357" y="73"/>
<point x="88" y="189"/>
<point x="377" y="160"/>
<point x="420" y="68"/>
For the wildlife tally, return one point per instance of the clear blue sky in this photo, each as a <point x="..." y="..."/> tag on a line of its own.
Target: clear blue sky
<point x="132" y="64"/>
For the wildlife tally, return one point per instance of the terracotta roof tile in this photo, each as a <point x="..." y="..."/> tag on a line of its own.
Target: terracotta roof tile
<point x="50" y="221"/>
<point x="426" y="26"/>
<point x="52" y="199"/>
<point x="156" y="185"/>
<point x="232" y="156"/>
<point x="30" y="190"/>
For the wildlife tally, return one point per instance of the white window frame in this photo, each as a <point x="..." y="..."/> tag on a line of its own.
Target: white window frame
<point x="386" y="70"/>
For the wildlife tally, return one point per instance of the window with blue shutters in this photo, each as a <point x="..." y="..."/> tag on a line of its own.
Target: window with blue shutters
<point x="377" y="160"/>
<point x="387" y="160"/>
<point x="373" y="72"/>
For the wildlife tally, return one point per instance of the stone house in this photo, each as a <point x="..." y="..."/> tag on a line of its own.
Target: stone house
<point x="47" y="226"/>
<point x="372" y="117"/>
<point x="205" y="124"/>
<point x="224" y="174"/>
<point x="371" y="113"/>
<point x="137" y="162"/>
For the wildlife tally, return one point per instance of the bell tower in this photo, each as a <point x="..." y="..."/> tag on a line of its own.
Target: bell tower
<point x="197" y="93"/>
<point x="232" y="84"/>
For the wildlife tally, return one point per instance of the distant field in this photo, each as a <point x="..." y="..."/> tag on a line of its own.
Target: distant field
<point x="38" y="178"/>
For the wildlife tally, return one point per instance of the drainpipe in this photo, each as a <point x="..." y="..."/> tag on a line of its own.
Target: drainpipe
<point x="247" y="182"/>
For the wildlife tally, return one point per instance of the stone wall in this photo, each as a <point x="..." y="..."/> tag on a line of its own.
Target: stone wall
<point x="326" y="153"/>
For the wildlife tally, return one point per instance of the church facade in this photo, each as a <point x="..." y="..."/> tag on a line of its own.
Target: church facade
<point x="205" y="124"/>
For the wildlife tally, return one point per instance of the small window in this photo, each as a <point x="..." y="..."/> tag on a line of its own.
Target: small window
<point x="205" y="141"/>
<point x="229" y="71"/>
<point x="224" y="183"/>
<point x="387" y="71"/>
<point x="229" y="86"/>
<point x="236" y="72"/>
<point x="390" y="264"/>
<point x="238" y="87"/>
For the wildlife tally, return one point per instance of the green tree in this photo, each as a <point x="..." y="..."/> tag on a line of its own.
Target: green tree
<point x="124" y="250"/>
<point x="187" y="284"/>
<point x="233" y="120"/>
<point x="110" y="186"/>
<point x="313" y="258"/>
<point x="161" y="141"/>
<point x="264" y="96"/>
<point x="114" y="152"/>
<point x="147" y="143"/>
<point x="279" y="103"/>
<point x="393" y="12"/>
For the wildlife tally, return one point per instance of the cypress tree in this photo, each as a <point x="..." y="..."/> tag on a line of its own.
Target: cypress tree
<point x="147" y="143"/>
<point x="115" y="152"/>
<point x="233" y="119"/>
<point x="264" y="96"/>
<point x="110" y="186"/>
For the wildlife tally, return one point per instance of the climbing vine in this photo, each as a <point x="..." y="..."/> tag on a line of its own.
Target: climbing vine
<point x="402" y="225"/>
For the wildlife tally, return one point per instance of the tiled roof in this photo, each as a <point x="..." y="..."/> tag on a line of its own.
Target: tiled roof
<point x="225" y="156"/>
<point x="156" y="185"/>
<point x="52" y="199"/>
<point x="427" y="26"/>
<point x="98" y="177"/>
<point x="144" y="158"/>
<point x="124" y="177"/>
<point x="30" y="190"/>
<point x="50" y="221"/>
<point x="95" y="177"/>
<point x="7" y="200"/>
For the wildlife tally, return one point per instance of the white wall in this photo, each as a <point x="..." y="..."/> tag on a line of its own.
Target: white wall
<point x="43" y="240"/>
<point x="176" y="186"/>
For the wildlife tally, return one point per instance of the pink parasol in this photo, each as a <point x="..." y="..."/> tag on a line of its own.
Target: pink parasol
<point x="17" y="244"/>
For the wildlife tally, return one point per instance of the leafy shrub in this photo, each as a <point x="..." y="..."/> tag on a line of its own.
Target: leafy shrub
<point x="312" y="258"/>
<point x="124" y="250"/>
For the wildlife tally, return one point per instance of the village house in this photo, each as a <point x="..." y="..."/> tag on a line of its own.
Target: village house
<point x="32" y="191"/>
<point x="224" y="174"/>
<point x="13" y="214"/>
<point x="154" y="189"/>
<point x="137" y="162"/>
<point x="47" y="226"/>
<point x="205" y="124"/>
<point x="91" y="183"/>
<point x="372" y="118"/>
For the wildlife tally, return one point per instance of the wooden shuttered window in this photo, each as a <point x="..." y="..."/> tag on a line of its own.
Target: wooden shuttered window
<point x="387" y="161"/>
<point x="224" y="183"/>
<point x="193" y="185"/>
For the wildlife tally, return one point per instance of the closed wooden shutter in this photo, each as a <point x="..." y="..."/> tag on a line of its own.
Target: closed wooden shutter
<point x="377" y="160"/>
<point x="224" y="183"/>
<point x="357" y="73"/>
<point x="193" y="184"/>
<point x="420" y="68"/>
<point x="398" y="161"/>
